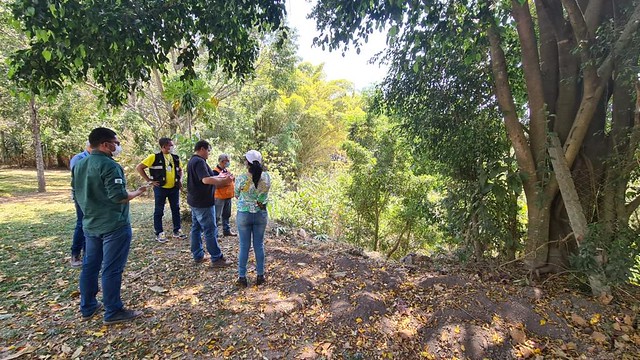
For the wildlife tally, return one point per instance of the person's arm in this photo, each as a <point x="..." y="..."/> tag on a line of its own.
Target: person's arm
<point x="220" y="180"/>
<point x="134" y="194"/>
<point x="140" y="168"/>
<point x="179" y="178"/>
<point x="237" y="186"/>
<point x="263" y="191"/>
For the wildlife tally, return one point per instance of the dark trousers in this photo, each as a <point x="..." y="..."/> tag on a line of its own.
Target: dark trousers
<point x="161" y="195"/>
<point x="78" y="244"/>
<point x="223" y="210"/>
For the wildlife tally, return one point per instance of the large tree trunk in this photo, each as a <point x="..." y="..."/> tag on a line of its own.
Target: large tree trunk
<point x="569" y="91"/>
<point x="35" y="127"/>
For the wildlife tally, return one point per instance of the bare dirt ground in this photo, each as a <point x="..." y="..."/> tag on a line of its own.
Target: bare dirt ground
<point x="322" y="301"/>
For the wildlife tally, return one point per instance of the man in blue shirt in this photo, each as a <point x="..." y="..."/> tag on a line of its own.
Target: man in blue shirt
<point x="77" y="246"/>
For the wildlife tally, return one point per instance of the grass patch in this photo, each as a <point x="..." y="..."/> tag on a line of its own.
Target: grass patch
<point x="16" y="182"/>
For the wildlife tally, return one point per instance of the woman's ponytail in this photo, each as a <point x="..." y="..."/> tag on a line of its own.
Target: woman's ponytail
<point x="256" y="172"/>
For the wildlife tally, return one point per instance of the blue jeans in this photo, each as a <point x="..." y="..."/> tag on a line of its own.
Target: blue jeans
<point x="160" y="195"/>
<point x="78" y="244"/>
<point x="203" y="221"/>
<point x="109" y="252"/>
<point x="251" y="225"/>
<point x="223" y="209"/>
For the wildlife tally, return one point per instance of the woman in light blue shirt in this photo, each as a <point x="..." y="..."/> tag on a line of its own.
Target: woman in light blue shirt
<point x="252" y="192"/>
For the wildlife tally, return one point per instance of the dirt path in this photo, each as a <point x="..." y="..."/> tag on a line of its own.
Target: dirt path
<point x="321" y="301"/>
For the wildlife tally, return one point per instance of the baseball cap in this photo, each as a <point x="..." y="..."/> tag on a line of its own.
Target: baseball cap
<point x="253" y="155"/>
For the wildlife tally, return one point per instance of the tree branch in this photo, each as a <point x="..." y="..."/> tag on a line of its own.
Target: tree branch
<point x="630" y="29"/>
<point x="581" y="32"/>
<point x="634" y="139"/>
<point x="632" y="206"/>
<point x="508" y="108"/>
<point x="592" y="16"/>
<point x="533" y="79"/>
<point x="592" y="95"/>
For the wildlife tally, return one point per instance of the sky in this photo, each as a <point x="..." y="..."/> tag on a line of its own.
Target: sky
<point x="353" y="67"/>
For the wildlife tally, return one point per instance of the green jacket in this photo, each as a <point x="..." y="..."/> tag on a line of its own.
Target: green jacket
<point x="99" y="186"/>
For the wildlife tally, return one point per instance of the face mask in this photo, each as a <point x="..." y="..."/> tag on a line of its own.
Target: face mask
<point x="172" y="149"/>
<point x="117" y="151"/>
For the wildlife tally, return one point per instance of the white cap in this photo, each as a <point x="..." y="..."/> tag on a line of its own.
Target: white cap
<point x="253" y="155"/>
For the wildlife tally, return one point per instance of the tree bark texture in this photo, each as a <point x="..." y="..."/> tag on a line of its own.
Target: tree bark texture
<point x="37" y="144"/>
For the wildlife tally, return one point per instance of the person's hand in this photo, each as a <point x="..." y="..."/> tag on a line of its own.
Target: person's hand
<point x="154" y="183"/>
<point x="142" y="189"/>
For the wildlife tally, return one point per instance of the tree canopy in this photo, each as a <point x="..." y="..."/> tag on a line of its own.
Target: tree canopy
<point x="119" y="43"/>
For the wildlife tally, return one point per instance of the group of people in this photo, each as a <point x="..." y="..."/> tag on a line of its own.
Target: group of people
<point x="103" y="230"/>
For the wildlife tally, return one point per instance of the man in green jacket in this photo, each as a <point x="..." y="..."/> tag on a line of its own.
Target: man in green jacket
<point x="100" y="189"/>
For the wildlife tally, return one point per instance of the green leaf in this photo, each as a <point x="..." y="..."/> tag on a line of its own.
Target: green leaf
<point x="46" y="54"/>
<point x="393" y="31"/>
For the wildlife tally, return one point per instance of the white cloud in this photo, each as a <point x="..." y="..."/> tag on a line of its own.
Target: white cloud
<point x="353" y="67"/>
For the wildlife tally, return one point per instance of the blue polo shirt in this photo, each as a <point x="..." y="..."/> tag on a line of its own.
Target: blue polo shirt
<point x="77" y="158"/>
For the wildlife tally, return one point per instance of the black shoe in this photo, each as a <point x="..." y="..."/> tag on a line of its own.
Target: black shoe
<point x="260" y="280"/>
<point x="98" y="308"/>
<point x="76" y="261"/>
<point x="230" y="233"/>
<point x="220" y="263"/>
<point x="242" y="282"/>
<point x="122" y="316"/>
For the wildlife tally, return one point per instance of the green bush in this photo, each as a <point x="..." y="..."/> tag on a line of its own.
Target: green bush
<point x="313" y="203"/>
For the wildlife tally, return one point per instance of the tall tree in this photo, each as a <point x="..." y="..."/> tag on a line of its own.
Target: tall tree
<point x="579" y="61"/>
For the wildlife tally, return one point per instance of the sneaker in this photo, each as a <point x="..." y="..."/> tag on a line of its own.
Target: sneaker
<point x="76" y="261"/>
<point x="260" y="280"/>
<point x="242" y="282"/>
<point x="161" y="238"/>
<point x="220" y="263"/>
<point x="201" y="260"/>
<point x="98" y="308"/>
<point x="122" y="316"/>
<point x="179" y="235"/>
<point x="230" y="233"/>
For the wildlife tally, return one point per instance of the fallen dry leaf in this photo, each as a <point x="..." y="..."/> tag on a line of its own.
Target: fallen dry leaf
<point x="605" y="299"/>
<point x="77" y="353"/>
<point x="518" y="336"/>
<point x="579" y="320"/>
<point x="599" y="337"/>
<point x="628" y="320"/>
<point x="158" y="289"/>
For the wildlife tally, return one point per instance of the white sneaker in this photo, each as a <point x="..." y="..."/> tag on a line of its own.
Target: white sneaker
<point x="161" y="238"/>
